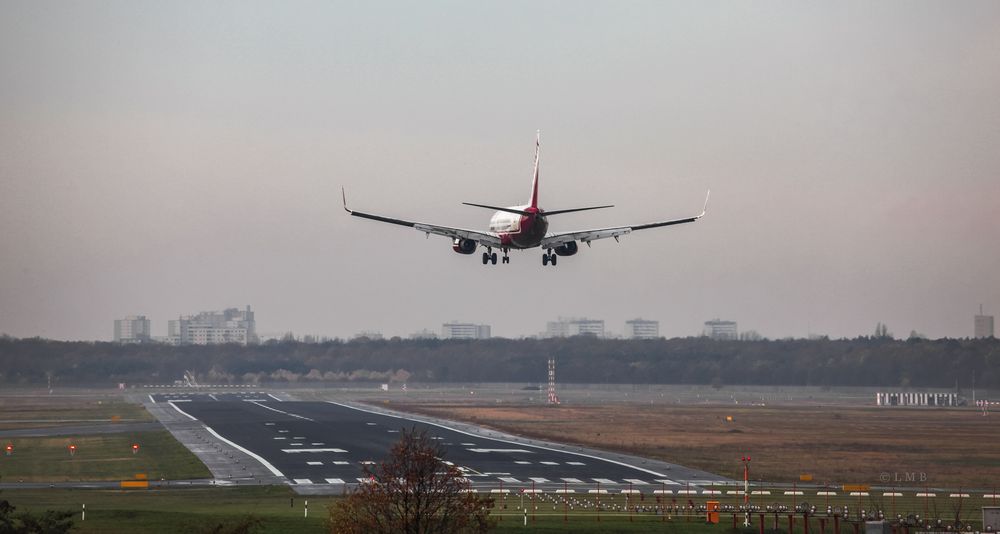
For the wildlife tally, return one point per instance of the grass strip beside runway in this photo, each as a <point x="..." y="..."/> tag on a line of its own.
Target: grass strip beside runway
<point x="99" y="457"/>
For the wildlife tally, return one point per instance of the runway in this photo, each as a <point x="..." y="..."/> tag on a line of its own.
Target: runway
<point x="326" y="444"/>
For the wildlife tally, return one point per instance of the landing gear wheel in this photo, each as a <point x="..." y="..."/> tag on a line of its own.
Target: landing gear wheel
<point x="486" y="258"/>
<point x="545" y="259"/>
<point x="552" y="260"/>
<point x="505" y="259"/>
<point x="493" y="258"/>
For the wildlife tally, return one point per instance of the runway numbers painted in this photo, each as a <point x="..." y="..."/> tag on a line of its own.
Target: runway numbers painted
<point x="334" y="481"/>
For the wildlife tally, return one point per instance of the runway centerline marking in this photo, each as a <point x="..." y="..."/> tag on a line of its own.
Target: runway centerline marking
<point x="312" y="450"/>
<point x="281" y="411"/>
<point x="499" y="450"/>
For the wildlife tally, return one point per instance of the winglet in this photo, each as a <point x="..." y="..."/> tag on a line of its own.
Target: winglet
<point x="705" y="208"/>
<point x="344" y="196"/>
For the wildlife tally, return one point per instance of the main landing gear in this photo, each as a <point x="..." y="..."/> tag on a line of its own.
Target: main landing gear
<point x="491" y="257"/>
<point x="549" y="258"/>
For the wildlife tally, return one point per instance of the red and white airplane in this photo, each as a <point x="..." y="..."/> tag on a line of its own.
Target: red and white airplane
<point x="523" y="227"/>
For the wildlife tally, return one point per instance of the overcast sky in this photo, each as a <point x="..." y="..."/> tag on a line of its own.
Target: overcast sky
<point x="163" y="158"/>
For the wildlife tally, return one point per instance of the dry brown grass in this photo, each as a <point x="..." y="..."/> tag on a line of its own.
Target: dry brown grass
<point x="838" y="445"/>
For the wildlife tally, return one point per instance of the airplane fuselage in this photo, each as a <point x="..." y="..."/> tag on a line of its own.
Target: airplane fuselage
<point x="520" y="231"/>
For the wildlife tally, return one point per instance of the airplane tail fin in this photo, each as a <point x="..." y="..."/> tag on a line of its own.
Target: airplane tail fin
<point x="534" y="181"/>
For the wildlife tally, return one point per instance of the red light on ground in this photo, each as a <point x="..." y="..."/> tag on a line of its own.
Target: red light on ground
<point x="10" y="448"/>
<point x="135" y="446"/>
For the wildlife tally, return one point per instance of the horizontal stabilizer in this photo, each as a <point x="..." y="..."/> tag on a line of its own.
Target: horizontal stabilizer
<point x="557" y="212"/>
<point x="508" y="210"/>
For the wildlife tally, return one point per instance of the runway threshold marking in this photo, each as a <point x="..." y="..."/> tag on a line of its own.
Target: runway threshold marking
<point x="255" y="456"/>
<point x="334" y="481"/>
<point x="281" y="411"/>
<point x="471" y="435"/>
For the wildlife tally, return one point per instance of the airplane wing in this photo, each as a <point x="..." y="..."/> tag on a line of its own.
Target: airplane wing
<point x="586" y="236"/>
<point x="486" y="238"/>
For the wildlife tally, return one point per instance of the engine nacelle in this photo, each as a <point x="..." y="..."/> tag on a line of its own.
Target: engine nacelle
<point x="566" y="249"/>
<point x="465" y="246"/>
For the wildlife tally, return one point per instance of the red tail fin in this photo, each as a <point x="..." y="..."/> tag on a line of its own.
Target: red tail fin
<point x="534" y="181"/>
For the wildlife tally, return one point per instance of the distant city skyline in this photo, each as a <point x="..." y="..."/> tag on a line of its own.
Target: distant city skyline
<point x="165" y="156"/>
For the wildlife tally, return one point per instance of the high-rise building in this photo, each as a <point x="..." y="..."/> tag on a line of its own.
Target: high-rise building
<point x="132" y="329"/>
<point x="568" y="327"/>
<point x="983" y="324"/>
<point x="231" y="325"/>
<point x="457" y="330"/>
<point x="642" y="329"/>
<point x="719" y="329"/>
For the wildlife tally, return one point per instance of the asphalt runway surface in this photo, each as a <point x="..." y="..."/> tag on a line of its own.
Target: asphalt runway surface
<point x="326" y="443"/>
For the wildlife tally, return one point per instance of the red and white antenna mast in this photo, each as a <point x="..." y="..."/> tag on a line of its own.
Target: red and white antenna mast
<point x="553" y="398"/>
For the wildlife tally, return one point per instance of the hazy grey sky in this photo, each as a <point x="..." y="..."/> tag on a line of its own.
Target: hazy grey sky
<point x="169" y="157"/>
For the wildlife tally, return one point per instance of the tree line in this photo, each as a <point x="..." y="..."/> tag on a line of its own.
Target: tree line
<point x="864" y="361"/>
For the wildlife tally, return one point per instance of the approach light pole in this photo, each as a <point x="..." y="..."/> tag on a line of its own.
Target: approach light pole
<point x="746" y="490"/>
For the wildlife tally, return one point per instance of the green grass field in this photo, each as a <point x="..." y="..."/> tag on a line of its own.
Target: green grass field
<point x="280" y="510"/>
<point x="42" y="411"/>
<point x="99" y="457"/>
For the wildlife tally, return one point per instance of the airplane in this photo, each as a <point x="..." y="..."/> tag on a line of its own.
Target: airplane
<point x="523" y="227"/>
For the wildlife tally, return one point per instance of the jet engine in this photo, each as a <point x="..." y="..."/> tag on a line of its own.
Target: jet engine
<point x="465" y="246"/>
<point x="567" y="249"/>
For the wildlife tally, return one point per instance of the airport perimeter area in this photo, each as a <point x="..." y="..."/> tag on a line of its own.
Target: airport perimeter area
<point x="252" y="439"/>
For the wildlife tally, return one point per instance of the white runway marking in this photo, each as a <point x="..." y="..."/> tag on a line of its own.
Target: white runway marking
<point x="317" y="443"/>
<point x="283" y="431"/>
<point x="312" y="450"/>
<point x="604" y="480"/>
<point x="575" y="463"/>
<point x="667" y="481"/>
<point x="550" y="449"/>
<point x="334" y="481"/>
<point x="510" y="480"/>
<point x="295" y="444"/>
<point x="549" y="463"/>
<point x="268" y="424"/>
<point x="314" y="463"/>
<point x="500" y="450"/>
<point x="299" y="437"/>
<point x="522" y="462"/>
<point x="302" y="481"/>
<point x="468" y="444"/>
<point x="273" y="397"/>
<point x="182" y="412"/>
<point x="280" y="437"/>
<point x="151" y="399"/>
<point x="341" y="462"/>
<point x="572" y="480"/>
<point x="280" y="411"/>
<point x="539" y="480"/>
<point x="637" y="482"/>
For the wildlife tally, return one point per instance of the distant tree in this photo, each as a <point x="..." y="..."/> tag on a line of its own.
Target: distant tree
<point x="412" y="492"/>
